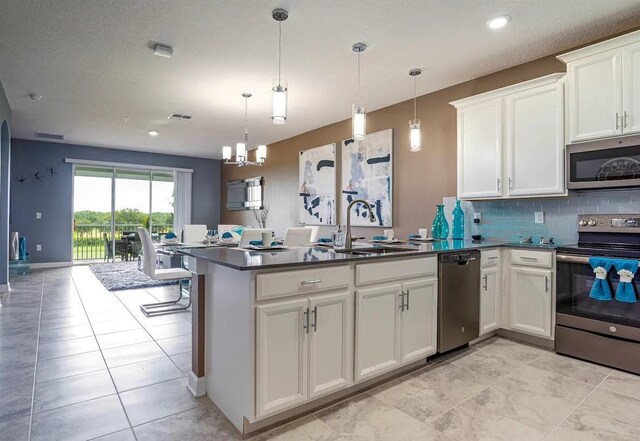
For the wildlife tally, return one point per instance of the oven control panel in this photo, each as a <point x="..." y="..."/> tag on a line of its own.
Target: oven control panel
<point x="609" y="223"/>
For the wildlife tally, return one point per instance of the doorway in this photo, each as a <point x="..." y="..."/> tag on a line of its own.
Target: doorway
<point x="110" y="203"/>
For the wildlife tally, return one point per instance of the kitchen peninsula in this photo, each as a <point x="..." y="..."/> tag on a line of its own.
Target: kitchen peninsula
<point x="288" y="331"/>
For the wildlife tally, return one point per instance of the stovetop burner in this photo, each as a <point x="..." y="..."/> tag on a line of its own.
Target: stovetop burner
<point x="599" y="249"/>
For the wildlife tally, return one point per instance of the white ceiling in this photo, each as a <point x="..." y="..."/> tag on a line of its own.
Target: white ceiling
<point x="91" y="62"/>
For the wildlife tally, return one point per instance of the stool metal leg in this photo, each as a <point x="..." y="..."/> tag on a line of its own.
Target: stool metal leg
<point x="169" y="307"/>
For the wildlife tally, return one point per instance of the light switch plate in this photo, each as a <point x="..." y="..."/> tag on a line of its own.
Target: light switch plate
<point x="38" y="247"/>
<point x="477" y="218"/>
<point x="539" y="217"/>
<point x="38" y="215"/>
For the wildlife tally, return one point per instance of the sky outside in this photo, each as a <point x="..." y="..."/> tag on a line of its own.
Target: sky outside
<point x="94" y="194"/>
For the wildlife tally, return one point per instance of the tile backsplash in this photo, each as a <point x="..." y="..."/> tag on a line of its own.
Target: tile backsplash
<point x="506" y="219"/>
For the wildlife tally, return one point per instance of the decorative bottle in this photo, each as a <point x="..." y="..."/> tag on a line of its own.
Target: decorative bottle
<point x="457" y="218"/>
<point x="440" y="227"/>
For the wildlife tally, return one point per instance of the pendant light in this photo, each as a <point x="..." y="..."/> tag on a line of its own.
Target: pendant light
<point x="359" y="110"/>
<point x="280" y="87"/>
<point x="415" y="134"/>
<point x="241" y="147"/>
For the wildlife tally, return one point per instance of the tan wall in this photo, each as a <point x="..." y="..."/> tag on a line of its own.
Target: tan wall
<point x="420" y="180"/>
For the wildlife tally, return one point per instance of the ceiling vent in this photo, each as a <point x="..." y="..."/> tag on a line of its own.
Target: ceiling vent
<point x="48" y="136"/>
<point x="179" y="116"/>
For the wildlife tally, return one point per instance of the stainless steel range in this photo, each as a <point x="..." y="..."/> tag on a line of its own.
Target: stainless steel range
<point x="605" y="332"/>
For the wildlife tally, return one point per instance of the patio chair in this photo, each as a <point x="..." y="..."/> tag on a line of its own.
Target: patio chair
<point x="149" y="268"/>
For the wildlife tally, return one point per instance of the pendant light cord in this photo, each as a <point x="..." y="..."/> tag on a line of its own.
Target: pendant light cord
<point x="414" y="97"/>
<point x="246" y="123"/>
<point x="358" y="78"/>
<point x="279" y="52"/>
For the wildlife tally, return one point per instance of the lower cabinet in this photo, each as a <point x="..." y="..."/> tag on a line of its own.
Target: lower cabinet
<point x="395" y="324"/>
<point x="489" y="299"/>
<point x="531" y="300"/>
<point x="303" y="350"/>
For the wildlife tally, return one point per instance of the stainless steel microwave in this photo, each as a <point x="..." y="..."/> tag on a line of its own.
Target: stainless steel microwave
<point x="607" y="163"/>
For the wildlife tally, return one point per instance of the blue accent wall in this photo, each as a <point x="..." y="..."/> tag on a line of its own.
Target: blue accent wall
<point x="5" y="165"/>
<point x="54" y="198"/>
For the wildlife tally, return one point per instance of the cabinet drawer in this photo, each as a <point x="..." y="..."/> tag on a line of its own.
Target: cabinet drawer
<point x="490" y="258"/>
<point x="288" y="283"/>
<point x="541" y="259"/>
<point x="396" y="270"/>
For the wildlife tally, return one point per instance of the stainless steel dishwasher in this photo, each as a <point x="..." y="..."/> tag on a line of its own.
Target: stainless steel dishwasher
<point x="458" y="299"/>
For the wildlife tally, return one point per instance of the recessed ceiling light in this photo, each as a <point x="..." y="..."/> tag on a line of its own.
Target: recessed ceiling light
<point x="35" y="97"/>
<point x="499" y="22"/>
<point x="163" y="51"/>
<point x="153" y="133"/>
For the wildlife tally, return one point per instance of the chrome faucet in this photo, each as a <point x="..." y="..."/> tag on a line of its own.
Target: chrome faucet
<point x="372" y="218"/>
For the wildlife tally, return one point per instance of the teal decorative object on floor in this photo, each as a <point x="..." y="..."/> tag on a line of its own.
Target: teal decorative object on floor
<point x="457" y="219"/>
<point x="440" y="227"/>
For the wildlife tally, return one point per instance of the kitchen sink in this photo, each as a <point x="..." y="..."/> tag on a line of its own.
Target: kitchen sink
<point x="376" y="250"/>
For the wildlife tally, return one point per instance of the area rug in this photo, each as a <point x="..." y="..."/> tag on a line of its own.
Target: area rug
<point x="125" y="275"/>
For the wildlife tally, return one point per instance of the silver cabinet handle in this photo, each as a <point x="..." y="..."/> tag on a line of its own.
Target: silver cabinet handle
<point x="402" y="301"/>
<point x="305" y="322"/>
<point x="484" y="282"/>
<point x="498" y="183"/>
<point x="530" y="259"/>
<point x="310" y="282"/>
<point x="625" y="120"/>
<point x="407" y="294"/>
<point x="493" y="257"/>
<point x="546" y="284"/>
<point x="314" y="324"/>
<point x="617" y="121"/>
<point x="510" y="184"/>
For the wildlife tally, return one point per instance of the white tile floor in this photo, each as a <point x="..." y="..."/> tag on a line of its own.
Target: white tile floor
<point x="78" y="363"/>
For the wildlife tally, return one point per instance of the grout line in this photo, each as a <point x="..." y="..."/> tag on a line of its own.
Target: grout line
<point x="576" y="406"/>
<point x="35" y="366"/>
<point x="73" y="280"/>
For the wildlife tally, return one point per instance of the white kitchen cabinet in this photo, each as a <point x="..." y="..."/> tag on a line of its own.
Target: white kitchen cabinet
<point x="377" y="330"/>
<point x="535" y="141"/>
<point x="631" y="88"/>
<point x="520" y="126"/>
<point x="395" y="324"/>
<point x="531" y="300"/>
<point x="281" y="356"/>
<point x="303" y="350"/>
<point x="489" y="299"/>
<point x="418" y="323"/>
<point x="480" y="150"/>
<point x="603" y="96"/>
<point x="330" y="351"/>
<point x="595" y="93"/>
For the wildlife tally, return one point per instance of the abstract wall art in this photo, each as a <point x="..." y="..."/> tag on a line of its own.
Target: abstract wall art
<point x="367" y="170"/>
<point x="317" y="186"/>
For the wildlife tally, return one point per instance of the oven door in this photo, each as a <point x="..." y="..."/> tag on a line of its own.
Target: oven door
<point x="612" y="163"/>
<point x="574" y="280"/>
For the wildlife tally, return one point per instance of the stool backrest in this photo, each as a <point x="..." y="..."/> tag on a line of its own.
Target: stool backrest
<point x="148" y="252"/>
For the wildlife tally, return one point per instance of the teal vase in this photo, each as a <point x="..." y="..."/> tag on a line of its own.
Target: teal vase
<point x="440" y="227"/>
<point x="457" y="218"/>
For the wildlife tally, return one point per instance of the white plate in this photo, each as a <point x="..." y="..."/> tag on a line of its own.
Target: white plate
<point x="269" y="248"/>
<point x="421" y="239"/>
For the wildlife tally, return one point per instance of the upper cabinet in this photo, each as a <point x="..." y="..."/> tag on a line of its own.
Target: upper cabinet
<point x="511" y="141"/>
<point x="603" y="89"/>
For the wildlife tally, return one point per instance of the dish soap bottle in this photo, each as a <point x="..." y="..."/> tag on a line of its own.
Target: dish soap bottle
<point x="440" y="227"/>
<point x="457" y="218"/>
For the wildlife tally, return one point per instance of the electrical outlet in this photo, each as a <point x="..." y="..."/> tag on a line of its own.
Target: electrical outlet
<point x="38" y="247"/>
<point x="477" y="218"/>
<point x="38" y="215"/>
<point x="539" y="217"/>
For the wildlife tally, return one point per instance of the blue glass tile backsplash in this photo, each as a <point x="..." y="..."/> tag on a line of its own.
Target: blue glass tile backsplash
<point x="506" y="219"/>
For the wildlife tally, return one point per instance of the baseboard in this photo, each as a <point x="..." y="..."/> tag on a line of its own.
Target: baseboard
<point x="525" y="338"/>
<point x="44" y="265"/>
<point x="5" y="288"/>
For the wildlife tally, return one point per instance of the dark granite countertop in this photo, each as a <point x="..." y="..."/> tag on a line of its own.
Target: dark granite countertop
<point x="244" y="260"/>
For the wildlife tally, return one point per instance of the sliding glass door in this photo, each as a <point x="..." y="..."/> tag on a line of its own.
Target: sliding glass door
<point x="111" y="203"/>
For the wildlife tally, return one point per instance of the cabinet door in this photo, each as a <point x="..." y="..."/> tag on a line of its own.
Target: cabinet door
<point x="330" y="348"/>
<point x="595" y="94"/>
<point x="480" y="150"/>
<point x="535" y="141"/>
<point x="418" y="322"/>
<point x="531" y="301"/>
<point x="631" y="88"/>
<point x="489" y="299"/>
<point x="377" y="330"/>
<point x="281" y="356"/>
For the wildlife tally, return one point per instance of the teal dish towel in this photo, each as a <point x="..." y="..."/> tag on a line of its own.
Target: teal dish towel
<point x="626" y="270"/>
<point x="600" y="289"/>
